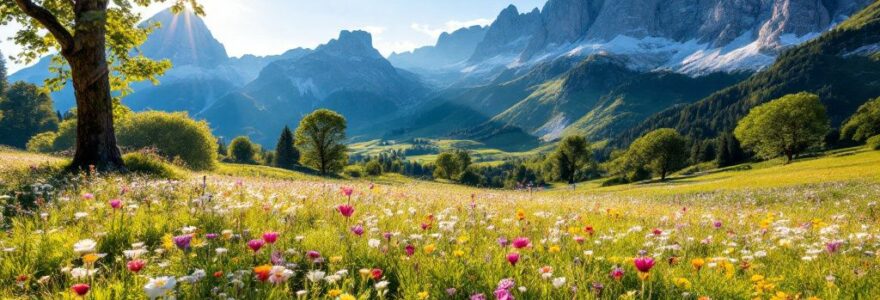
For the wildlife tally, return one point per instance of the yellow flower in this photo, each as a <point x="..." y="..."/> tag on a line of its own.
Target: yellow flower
<point x="780" y="296"/>
<point x="90" y="258"/>
<point x="423" y="295"/>
<point x="520" y="214"/>
<point x="682" y="283"/>
<point x="334" y="293"/>
<point x="335" y="259"/>
<point x="698" y="263"/>
<point x="167" y="242"/>
<point x="429" y="248"/>
<point x="346" y="296"/>
<point x="458" y="253"/>
<point x="573" y="230"/>
<point x="644" y="276"/>
<point x="463" y="239"/>
<point x="554" y="249"/>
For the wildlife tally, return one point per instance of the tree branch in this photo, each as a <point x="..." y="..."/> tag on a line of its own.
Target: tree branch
<point x="45" y="17"/>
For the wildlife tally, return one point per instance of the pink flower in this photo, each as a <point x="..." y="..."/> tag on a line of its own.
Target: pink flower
<point x="521" y="242"/>
<point x="255" y="245"/>
<point x="833" y="246"/>
<point x="347" y="191"/>
<point x="313" y="255"/>
<point x="717" y="224"/>
<point x="644" y="264"/>
<point x="513" y="258"/>
<point x="657" y="231"/>
<point x="270" y="237"/>
<point x="88" y="196"/>
<point x="346" y="210"/>
<point x="357" y="230"/>
<point x="410" y="250"/>
<point x="115" y="203"/>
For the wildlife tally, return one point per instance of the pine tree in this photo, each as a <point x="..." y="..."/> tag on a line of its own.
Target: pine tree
<point x="2" y="75"/>
<point x="286" y="155"/>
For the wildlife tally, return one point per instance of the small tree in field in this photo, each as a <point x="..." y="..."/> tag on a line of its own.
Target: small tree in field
<point x="25" y="111"/>
<point x="286" y="155"/>
<point x="572" y="155"/>
<point x="241" y="150"/>
<point x="661" y="151"/>
<point x="451" y="164"/>
<point x="319" y="137"/>
<point x="785" y="126"/>
<point x="94" y="41"/>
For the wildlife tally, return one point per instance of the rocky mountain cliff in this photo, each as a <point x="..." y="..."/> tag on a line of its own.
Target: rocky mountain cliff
<point x="451" y="48"/>
<point x="694" y="37"/>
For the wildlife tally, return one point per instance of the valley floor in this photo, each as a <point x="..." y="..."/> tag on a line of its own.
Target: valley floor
<point x="764" y="230"/>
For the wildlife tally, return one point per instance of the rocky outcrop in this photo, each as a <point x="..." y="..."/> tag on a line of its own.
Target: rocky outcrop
<point x="184" y="39"/>
<point x="509" y="34"/>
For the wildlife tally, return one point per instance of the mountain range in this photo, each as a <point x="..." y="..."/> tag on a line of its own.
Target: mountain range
<point x="609" y="70"/>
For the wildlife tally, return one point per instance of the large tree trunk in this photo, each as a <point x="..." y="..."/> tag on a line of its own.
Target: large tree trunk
<point x="95" y="135"/>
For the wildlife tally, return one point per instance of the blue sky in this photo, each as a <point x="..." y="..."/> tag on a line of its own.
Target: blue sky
<point x="272" y="26"/>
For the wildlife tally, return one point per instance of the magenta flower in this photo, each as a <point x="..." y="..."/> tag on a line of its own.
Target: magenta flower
<point x="270" y="237"/>
<point x="644" y="264"/>
<point x="410" y="250"/>
<point x="503" y="295"/>
<point x="313" y="255"/>
<point x="255" y="245"/>
<point x="347" y="191"/>
<point x="183" y="241"/>
<point x="115" y="203"/>
<point x="346" y="210"/>
<point x="521" y="242"/>
<point x="716" y="224"/>
<point x="616" y="273"/>
<point x="212" y="236"/>
<point x="88" y="196"/>
<point x="513" y="258"/>
<point x="358" y="230"/>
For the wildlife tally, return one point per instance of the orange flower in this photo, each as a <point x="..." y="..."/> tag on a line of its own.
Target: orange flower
<point x="262" y="272"/>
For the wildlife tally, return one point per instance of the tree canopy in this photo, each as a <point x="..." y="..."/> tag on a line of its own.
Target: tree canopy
<point x="572" y="155"/>
<point x="26" y="111"/>
<point x="785" y="126"/>
<point x="865" y="123"/>
<point x="661" y="151"/>
<point x="241" y="150"/>
<point x="319" y="137"/>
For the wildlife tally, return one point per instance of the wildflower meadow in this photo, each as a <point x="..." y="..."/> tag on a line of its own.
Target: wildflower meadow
<point x="212" y="236"/>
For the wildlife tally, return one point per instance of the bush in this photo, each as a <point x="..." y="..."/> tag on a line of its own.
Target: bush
<point x="174" y="135"/>
<point x="241" y="150"/>
<point x="373" y="168"/>
<point x="43" y="142"/>
<point x="874" y="142"/>
<point x="150" y="164"/>
<point x="353" y="171"/>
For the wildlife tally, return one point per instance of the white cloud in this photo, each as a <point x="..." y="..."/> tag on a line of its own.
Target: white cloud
<point x="450" y="26"/>
<point x="373" y="30"/>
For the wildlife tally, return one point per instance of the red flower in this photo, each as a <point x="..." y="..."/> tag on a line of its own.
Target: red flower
<point x="376" y="273"/>
<point x="80" y="289"/>
<point x="218" y="274"/>
<point x="135" y="265"/>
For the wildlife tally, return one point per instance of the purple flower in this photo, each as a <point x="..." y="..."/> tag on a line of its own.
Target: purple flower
<point x="183" y="241"/>
<point x="833" y="246"/>
<point x="212" y="236"/>
<point x="717" y="224"/>
<point x="505" y="284"/>
<point x="358" y="230"/>
<point x="277" y="258"/>
<point x="502" y="241"/>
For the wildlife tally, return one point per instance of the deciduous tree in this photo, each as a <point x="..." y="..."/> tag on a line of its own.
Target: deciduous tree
<point x="786" y="126"/>
<point x="96" y="43"/>
<point x="320" y="137"/>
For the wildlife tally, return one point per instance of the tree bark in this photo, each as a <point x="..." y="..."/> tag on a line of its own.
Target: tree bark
<point x="95" y="133"/>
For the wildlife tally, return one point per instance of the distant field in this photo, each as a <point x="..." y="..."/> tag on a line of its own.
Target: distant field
<point x="481" y="153"/>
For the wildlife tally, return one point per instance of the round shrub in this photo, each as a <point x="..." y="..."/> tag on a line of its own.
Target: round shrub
<point x="43" y="142"/>
<point x="174" y="135"/>
<point x="373" y="168"/>
<point x="150" y="164"/>
<point x="353" y="171"/>
<point x="241" y="150"/>
<point x="874" y="142"/>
